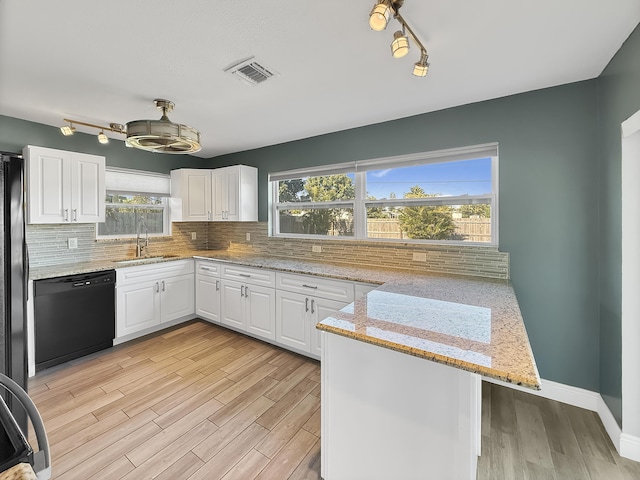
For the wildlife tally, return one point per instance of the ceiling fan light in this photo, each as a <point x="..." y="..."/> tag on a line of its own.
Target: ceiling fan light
<point x="163" y="136"/>
<point x="102" y="138"/>
<point x="400" y="45"/>
<point x="379" y="16"/>
<point x="67" y="130"/>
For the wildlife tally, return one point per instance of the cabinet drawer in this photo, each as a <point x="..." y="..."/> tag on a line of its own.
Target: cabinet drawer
<point x="207" y="268"/>
<point x="316" y="286"/>
<point x="140" y="273"/>
<point x="254" y="276"/>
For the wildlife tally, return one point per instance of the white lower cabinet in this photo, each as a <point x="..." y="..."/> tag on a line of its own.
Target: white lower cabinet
<point x="208" y="290"/>
<point x="321" y="309"/>
<point x="283" y="308"/>
<point x="176" y="298"/>
<point x="250" y="308"/>
<point x="292" y="322"/>
<point x="296" y="319"/>
<point x="247" y="300"/>
<point x="298" y="312"/>
<point x="138" y="307"/>
<point x="148" y="296"/>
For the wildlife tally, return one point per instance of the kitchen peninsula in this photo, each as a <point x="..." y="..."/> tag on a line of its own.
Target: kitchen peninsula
<point x="388" y="413"/>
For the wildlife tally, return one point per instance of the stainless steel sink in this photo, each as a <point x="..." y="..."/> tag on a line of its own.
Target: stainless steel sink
<point x="133" y="261"/>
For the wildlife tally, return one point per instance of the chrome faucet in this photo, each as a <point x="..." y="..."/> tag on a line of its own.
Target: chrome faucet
<point x="142" y="249"/>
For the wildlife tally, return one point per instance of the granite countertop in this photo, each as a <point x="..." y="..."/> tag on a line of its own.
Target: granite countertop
<point x="21" y="471"/>
<point x="466" y="322"/>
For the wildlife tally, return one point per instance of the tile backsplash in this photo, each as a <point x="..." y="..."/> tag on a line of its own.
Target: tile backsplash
<point x="48" y="243"/>
<point x="48" y="246"/>
<point x="482" y="261"/>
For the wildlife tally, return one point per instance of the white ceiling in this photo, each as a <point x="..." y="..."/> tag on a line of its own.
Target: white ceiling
<point x="102" y="62"/>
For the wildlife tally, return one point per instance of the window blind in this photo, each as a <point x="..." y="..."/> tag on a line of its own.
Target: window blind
<point x="137" y="182"/>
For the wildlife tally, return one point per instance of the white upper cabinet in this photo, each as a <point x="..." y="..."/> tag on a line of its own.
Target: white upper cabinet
<point x="190" y="195"/>
<point x="222" y="194"/>
<point x="64" y="187"/>
<point x="235" y="194"/>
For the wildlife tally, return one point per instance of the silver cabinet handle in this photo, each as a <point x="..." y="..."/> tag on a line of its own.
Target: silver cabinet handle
<point x="217" y="285"/>
<point x="209" y="215"/>
<point x="312" y="302"/>
<point x="208" y="269"/>
<point x="163" y="289"/>
<point x="306" y="304"/>
<point x="157" y="287"/>
<point x="242" y="291"/>
<point x="66" y="214"/>
<point x="246" y="292"/>
<point x="75" y="214"/>
<point x="309" y="286"/>
<point x="246" y="275"/>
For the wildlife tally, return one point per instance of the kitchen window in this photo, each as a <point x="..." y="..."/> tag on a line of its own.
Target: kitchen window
<point x="447" y="196"/>
<point x="136" y="203"/>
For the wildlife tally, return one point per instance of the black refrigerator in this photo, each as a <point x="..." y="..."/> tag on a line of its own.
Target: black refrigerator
<point x="13" y="281"/>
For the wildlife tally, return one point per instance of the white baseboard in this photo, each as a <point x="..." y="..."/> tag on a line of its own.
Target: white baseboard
<point x="628" y="446"/>
<point x="578" y="397"/>
<point x="610" y="424"/>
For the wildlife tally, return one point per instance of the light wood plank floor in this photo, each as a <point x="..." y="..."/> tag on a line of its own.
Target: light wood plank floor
<point x="201" y="402"/>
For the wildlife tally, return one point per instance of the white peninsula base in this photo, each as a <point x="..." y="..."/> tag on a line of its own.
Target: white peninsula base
<point x="390" y="415"/>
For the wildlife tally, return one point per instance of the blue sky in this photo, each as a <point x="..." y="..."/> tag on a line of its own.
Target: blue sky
<point x="472" y="177"/>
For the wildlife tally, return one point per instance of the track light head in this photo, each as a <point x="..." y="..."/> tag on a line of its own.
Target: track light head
<point x="379" y="16"/>
<point x="421" y="68"/>
<point x="67" y="130"/>
<point x="102" y="138"/>
<point x="400" y="45"/>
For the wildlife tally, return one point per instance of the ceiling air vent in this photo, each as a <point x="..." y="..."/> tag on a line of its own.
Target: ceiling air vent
<point x="251" y="71"/>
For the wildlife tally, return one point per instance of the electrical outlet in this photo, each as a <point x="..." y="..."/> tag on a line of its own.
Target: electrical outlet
<point x="316" y="248"/>
<point x="248" y="236"/>
<point x="419" y="257"/>
<point x="72" y="242"/>
<point x="194" y="236"/>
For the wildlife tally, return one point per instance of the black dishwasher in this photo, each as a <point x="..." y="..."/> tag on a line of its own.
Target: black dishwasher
<point x="74" y="316"/>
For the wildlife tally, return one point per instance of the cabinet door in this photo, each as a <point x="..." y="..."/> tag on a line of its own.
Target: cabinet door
<point x="232" y="197"/>
<point x="292" y="320"/>
<point x="232" y="303"/>
<point x="138" y="307"/>
<point x="49" y="188"/>
<point x="87" y="188"/>
<point x="197" y="196"/>
<point x="260" y="311"/>
<point x="219" y="197"/>
<point x="321" y="309"/>
<point x="177" y="299"/>
<point x="208" y="298"/>
<point x="191" y="195"/>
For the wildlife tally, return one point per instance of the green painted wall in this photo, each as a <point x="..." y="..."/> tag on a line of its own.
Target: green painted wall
<point x="618" y="99"/>
<point x="15" y="134"/>
<point x="548" y="203"/>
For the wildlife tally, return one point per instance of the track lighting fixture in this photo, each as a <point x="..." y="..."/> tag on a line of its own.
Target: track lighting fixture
<point x="378" y="21"/>
<point x="162" y="136"/>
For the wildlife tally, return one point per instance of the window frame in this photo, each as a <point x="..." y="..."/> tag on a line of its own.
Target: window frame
<point x="360" y="203"/>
